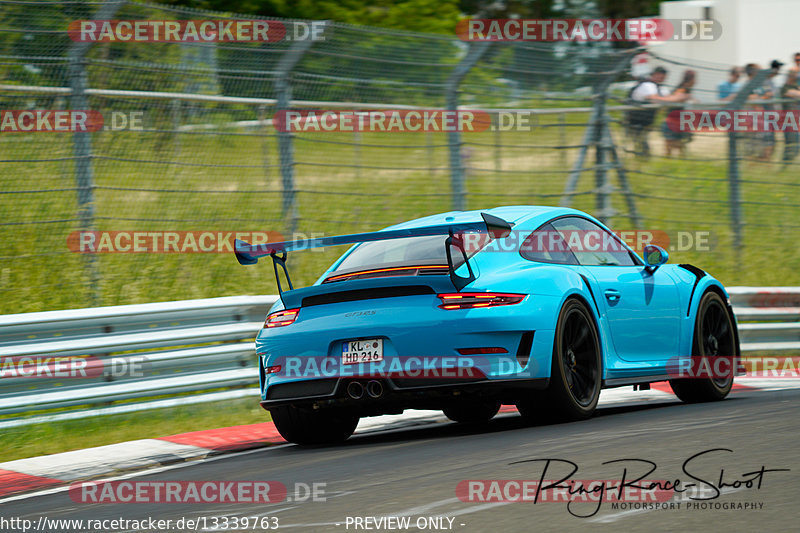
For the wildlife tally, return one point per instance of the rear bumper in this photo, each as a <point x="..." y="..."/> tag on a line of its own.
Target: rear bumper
<point x="398" y="394"/>
<point x="319" y="376"/>
<point x="305" y="358"/>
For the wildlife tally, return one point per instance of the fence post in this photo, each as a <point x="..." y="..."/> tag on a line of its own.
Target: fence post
<point x="598" y="134"/>
<point x="577" y="167"/>
<point x="735" y="193"/>
<point x="431" y="154"/>
<point x="594" y="137"/>
<point x="82" y="146"/>
<point x="357" y="160"/>
<point x="475" y="52"/>
<point x="283" y="90"/>
<point x="265" y="134"/>
<point x="498" y="156"/>
<point x="175" y="116"/>
<point x="603" y="187"/>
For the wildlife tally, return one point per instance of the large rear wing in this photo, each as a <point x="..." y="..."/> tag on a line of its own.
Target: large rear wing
<point x="496" y="227"/>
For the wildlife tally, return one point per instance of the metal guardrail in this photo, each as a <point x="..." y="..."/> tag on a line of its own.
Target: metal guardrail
<point x="135" y="352"/>
<point x="769" y="318"/>
<point x="206" y="345"/>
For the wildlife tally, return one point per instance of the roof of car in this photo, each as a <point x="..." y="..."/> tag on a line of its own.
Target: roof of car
<point x="516" y="214"/>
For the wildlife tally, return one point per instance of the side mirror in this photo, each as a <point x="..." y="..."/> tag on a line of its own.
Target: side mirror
<point x="654" y="256"/>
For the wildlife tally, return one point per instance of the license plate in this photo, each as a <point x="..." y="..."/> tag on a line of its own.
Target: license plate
<point x="363" y="351"/>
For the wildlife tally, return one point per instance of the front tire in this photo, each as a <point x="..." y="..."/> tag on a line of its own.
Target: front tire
<point x="713" y="336"/>
<point x="575" y="374"/>
<point x="309" y="426"/>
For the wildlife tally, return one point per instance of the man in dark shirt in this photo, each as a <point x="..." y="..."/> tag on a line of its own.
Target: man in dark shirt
<point x="764" y="140"/>
<point x="790" y="94"/>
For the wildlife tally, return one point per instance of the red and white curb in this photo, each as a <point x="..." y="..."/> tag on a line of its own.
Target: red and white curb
<point x="36" y="473"/>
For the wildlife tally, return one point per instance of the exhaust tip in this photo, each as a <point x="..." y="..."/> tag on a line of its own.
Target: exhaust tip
<point x="355" y="390"/>
<point x="375" y="389"/>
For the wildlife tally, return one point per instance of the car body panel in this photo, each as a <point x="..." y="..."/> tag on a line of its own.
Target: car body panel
<point x="643" y="310"/>
<point x="650" y="322"/>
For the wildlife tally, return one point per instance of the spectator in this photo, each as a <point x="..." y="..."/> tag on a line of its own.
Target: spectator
<point x="774" y="69"/>
<point x="727" y="89"/>
<point x="677" y="140"/>
<point x="797" y="60"/>
<point x="790" y="93"/>
<point x="765" y="140"/>
<point x="638" y="121"/>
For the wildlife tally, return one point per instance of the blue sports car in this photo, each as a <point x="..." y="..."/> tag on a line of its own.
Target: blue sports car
<point x="541" y="307"/>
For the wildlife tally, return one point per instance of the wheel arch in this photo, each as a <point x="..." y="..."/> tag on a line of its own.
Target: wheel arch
<point x="712" y="285"/>
<point x="591" y="305"/>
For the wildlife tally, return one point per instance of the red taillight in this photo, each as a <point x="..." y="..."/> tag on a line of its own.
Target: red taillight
<point x="478" y="351"/>
<point x="471" y="300"/>
<point x="281" y="318"/>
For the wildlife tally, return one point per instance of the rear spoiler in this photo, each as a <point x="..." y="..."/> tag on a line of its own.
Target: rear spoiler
<point x="496" y="227"/>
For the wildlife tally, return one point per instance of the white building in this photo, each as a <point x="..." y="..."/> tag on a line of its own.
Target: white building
<point x="753" y="31"/>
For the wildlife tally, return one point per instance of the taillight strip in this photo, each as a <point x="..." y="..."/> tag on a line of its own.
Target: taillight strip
<point x="284" y="317"/>
<point x="473" y="300"/>
<point x="381" y="270"/>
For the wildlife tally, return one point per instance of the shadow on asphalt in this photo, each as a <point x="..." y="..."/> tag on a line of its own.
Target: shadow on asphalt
<point x="501" y="423"/>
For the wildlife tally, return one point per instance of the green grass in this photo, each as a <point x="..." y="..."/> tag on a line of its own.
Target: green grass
<point x="54" y="437"/>
<point x="401" y="176"/>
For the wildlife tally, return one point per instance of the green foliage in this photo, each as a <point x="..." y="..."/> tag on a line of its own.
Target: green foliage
<point x="438" y="16"/>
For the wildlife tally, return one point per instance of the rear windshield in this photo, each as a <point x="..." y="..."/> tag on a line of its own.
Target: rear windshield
<point x="408" y="251"/>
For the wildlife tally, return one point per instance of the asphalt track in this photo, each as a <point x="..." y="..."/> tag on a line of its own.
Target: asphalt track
<point x="414" y="472"/>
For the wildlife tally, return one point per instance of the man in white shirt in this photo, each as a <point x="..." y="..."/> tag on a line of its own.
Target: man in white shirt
<point x="639" y="121"/>
<point x="651" y="90"/>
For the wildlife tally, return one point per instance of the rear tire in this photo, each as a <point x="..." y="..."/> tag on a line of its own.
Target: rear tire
<point x="472" y="411"/>
<point x="307" y="426"/>
<point x="713" y="335"/>
<point x="575" y="374"/>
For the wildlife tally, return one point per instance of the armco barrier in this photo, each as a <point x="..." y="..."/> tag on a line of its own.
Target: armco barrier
<point x="206" y="345"/>
<point x="769" y="318"/>
<point x="146" y="350"/>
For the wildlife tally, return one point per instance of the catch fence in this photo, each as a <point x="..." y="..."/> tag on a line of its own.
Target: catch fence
<point x="189" y="145"/>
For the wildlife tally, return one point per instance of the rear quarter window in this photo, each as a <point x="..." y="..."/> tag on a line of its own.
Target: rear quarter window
<point x="547" y="245"/>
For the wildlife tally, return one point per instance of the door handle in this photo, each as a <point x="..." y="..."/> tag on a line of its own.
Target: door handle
<point x="612" y="295"/>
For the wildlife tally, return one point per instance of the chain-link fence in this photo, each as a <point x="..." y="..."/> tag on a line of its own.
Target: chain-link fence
<point x="189" y="144"/>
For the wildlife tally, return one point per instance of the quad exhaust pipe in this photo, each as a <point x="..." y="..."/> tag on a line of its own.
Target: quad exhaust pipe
<point x="373" y="389"/>
<point x="355" y="390"/>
